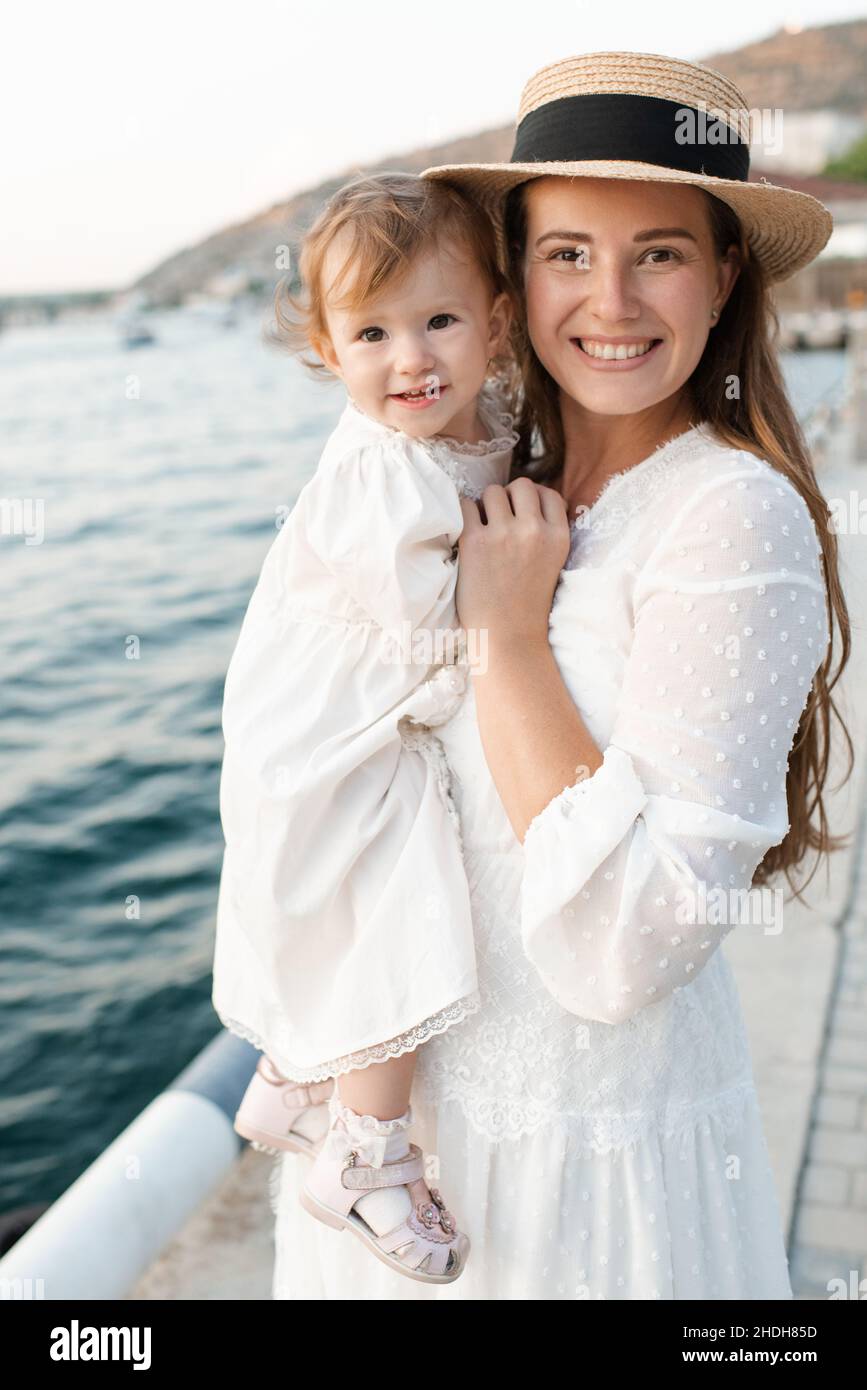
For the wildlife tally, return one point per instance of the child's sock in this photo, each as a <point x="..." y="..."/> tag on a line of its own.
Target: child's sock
<point x="385" y="1207"/>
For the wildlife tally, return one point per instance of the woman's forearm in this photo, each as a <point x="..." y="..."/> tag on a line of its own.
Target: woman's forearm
<point x="534" y="739"/>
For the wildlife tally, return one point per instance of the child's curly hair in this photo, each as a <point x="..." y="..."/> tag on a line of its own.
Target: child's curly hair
<point x="392" y="218"/>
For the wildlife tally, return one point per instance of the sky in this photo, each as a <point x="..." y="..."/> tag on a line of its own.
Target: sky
<point x="132" y="131"/>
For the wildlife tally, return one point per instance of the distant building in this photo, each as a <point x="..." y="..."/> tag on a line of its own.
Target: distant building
<point x="802" y="142"/>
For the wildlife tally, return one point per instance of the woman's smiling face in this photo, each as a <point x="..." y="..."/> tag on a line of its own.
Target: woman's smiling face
<point x="622" y="260"/>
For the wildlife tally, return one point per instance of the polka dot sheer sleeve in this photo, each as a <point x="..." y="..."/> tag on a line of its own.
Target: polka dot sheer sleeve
<point x="632" y="876"/>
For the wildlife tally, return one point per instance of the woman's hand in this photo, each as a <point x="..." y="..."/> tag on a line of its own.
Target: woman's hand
<point x="513" y="546"/>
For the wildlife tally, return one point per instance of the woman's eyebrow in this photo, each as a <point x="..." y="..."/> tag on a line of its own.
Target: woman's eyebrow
<point x="655" y="232"/>
<point x="650" y="235"/>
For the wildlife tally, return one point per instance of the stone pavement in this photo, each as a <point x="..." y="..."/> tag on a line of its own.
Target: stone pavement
<point x="829" y="1225"/>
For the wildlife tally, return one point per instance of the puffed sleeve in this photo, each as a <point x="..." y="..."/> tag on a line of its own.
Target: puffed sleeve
<point x="631" y="875"/>
<point x="388" y="533"/>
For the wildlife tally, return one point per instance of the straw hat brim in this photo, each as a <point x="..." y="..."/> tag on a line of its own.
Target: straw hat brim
<point x="785" y="229"/>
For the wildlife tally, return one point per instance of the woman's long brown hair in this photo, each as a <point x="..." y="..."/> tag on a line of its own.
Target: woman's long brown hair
<point x="761" y="420"/>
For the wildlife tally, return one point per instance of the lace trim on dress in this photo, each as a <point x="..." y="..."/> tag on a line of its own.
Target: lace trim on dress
<point x="525" y="1065"/>
<point x="606" y="517"/>
<point x="492" y="1117"/>
<point x="366" y="1056"/>
<point x="446" y="451"/>
<point x="446" y="690"/>
<point x="498" y="419"/>
<point x="493" y="413"/>
<point x="420" y="738"/>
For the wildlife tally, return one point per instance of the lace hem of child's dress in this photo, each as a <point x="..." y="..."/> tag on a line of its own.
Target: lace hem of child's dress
<point x="408" y="1041"/>
<point x="420" y="738"/>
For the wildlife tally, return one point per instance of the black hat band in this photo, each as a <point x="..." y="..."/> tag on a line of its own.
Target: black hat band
<point x="624" y="126"/>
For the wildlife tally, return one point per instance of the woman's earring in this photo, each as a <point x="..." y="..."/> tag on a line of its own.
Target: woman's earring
<point x="713" y="313"/>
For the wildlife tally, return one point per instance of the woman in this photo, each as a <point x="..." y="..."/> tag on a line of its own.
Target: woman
<point x="654" y="739"/>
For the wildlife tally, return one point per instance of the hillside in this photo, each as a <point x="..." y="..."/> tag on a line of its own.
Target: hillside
<point x="808" y="71"/>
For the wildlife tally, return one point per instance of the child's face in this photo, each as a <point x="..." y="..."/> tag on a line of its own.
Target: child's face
<point x="433" y="332"/>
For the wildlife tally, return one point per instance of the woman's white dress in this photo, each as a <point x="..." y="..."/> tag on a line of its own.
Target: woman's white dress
<point x="595" y="1125"/>
<point x="344" y="922"/>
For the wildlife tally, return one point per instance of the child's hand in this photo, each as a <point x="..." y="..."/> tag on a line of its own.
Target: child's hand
<point x="511" y="551"/>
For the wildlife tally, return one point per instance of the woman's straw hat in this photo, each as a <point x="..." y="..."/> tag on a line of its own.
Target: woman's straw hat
<point x="645" y="116"/>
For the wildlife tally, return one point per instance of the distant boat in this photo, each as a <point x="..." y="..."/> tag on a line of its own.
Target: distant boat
<point x="220" y="312"/>
<point x="136" y="333"/>
<point x="826" y="330"/>
<point x="818" y="328"/>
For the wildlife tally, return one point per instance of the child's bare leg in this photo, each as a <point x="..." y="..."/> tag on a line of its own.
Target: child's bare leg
<point x="382" y="1089"/>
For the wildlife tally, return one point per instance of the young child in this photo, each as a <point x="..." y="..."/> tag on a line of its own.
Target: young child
<point x="344" y="929"/>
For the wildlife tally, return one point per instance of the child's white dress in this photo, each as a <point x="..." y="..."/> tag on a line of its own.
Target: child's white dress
<point x="344" y="927"/>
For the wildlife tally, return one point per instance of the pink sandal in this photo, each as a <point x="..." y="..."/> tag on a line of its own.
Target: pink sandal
<point x="271" y="1106"/>
<point x="427" y="1245"/>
